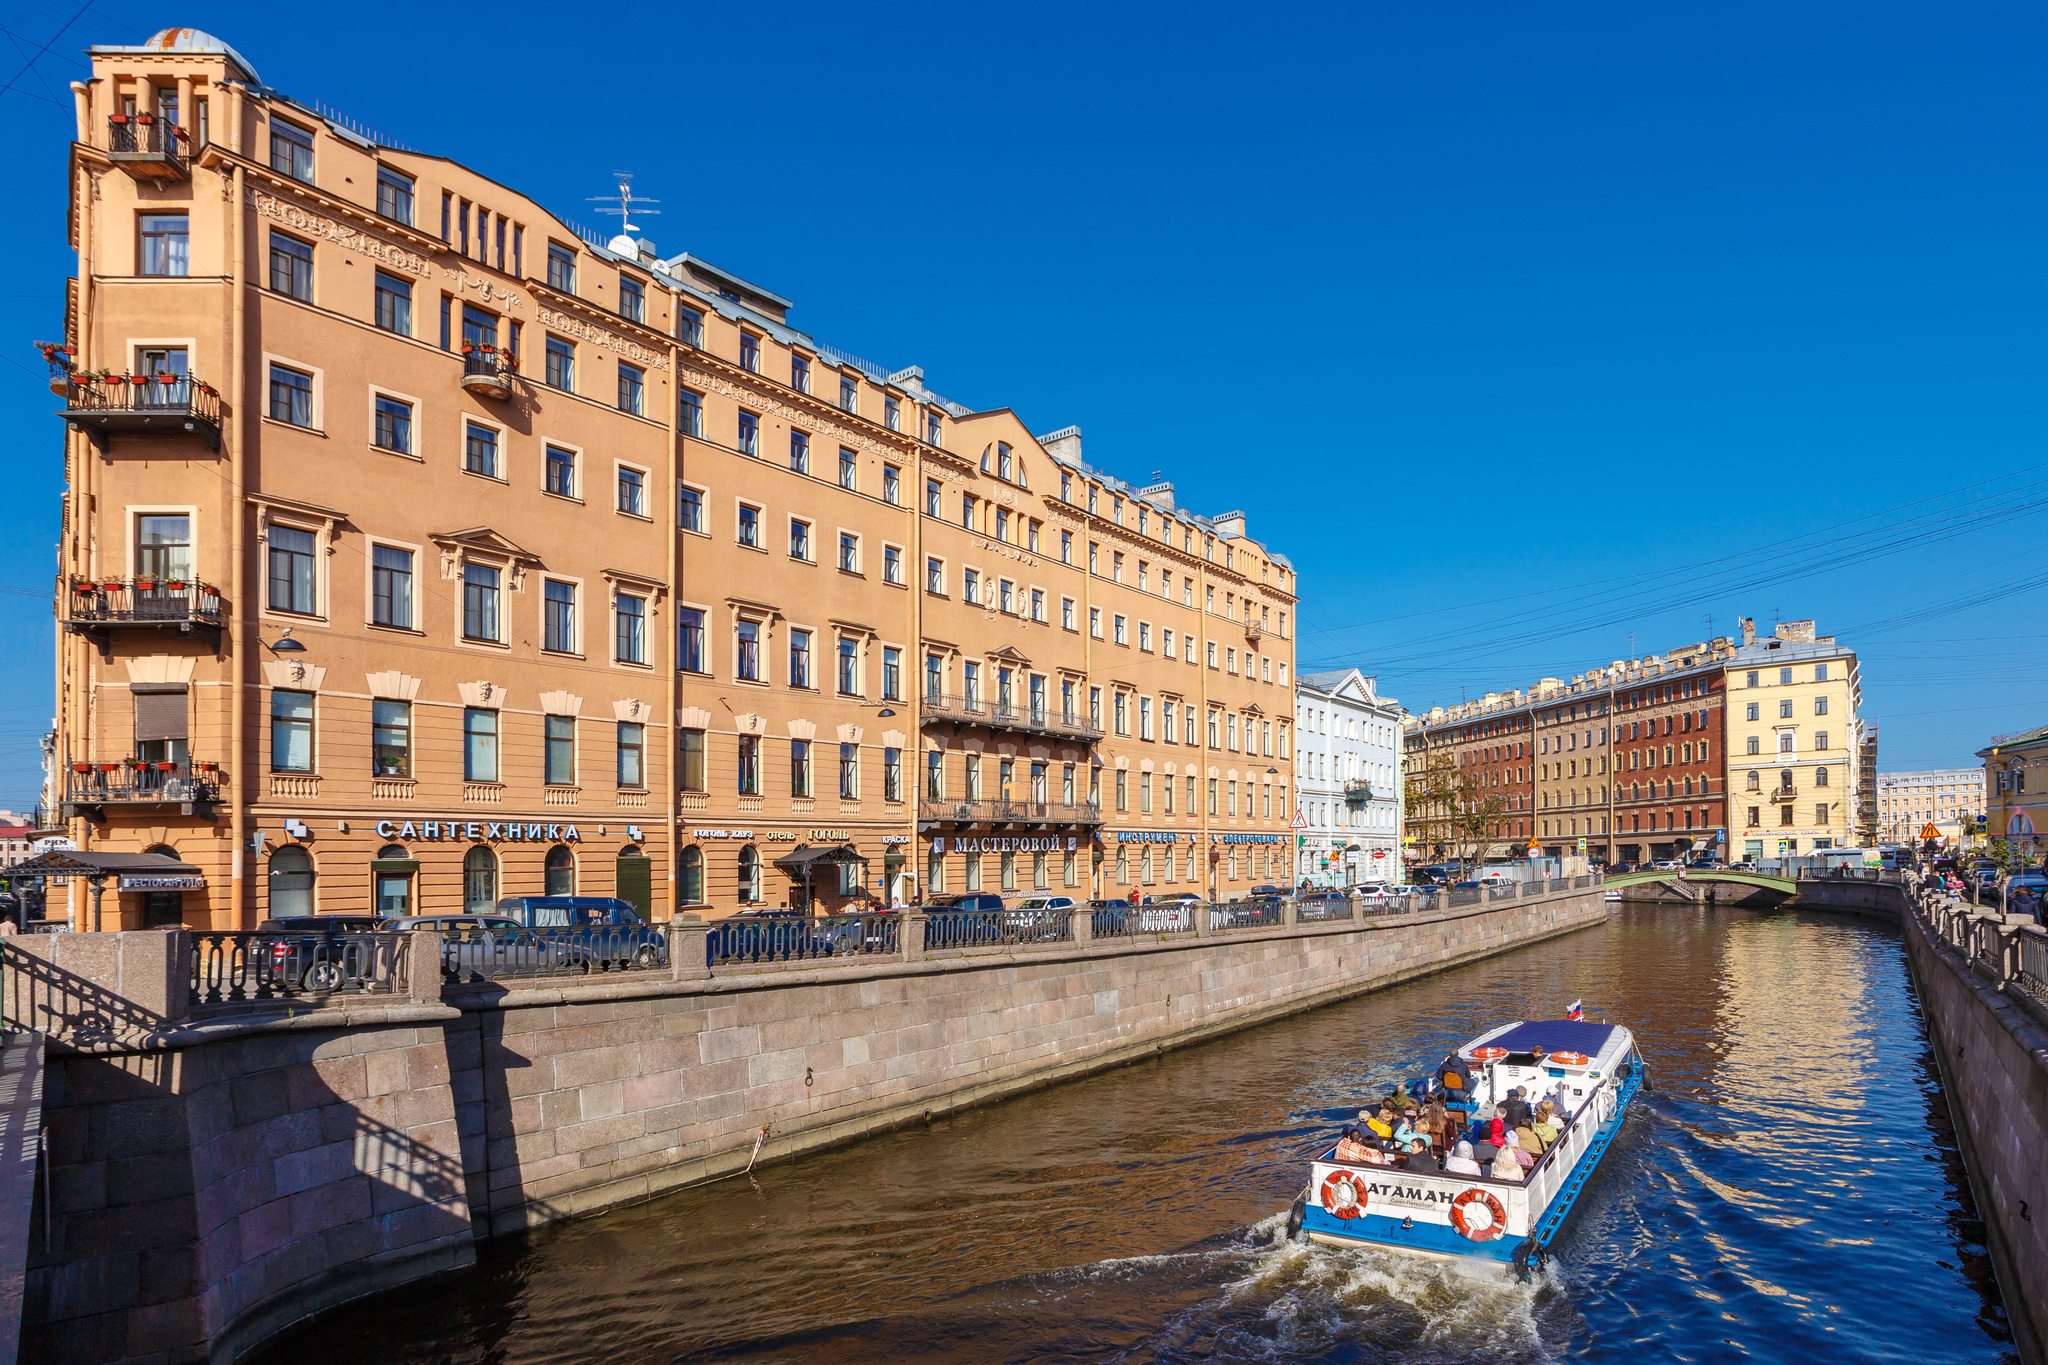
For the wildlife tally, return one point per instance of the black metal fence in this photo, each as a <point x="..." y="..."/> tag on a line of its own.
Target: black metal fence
<point x="144" y="600"/>
<point x="472" y="955"/>
<point x="142" y="780"/>
<point x="1145" y="921"/>
<point x="232" y="968"/>
<point x="1322" y="909"/>
<point x="793" y="938"/>
<point x="986" y="928"/>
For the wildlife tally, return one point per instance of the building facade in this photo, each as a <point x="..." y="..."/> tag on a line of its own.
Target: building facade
<point x="418" y="549"/>
<point x="1950" y="799"/>
<point x="1348" y="768"/>
<point x="2016" y="790"/>
<point x="1654" y="758"/>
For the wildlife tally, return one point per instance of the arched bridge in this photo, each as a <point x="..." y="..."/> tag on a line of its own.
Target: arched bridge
<point x="1764" y="880"/>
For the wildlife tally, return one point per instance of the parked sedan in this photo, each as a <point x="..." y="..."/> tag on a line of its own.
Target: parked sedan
<point x="317" y="952"/>
<point x="1038" y="919"/>
<point x="610" y="928"/>
<point x="486" y="947"/>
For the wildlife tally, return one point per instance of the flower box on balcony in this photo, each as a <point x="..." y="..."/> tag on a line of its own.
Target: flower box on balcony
<point x="81" y="767"/>
<point x="110" y="767"/>
<point x="165" y="767"/>
<point x="146" y="584"/>
<point x="175" y="585"/>
<point x="110" y="587"/>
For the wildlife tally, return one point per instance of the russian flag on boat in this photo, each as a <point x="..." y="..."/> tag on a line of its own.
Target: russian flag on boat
<point x="1575" y="1012"/>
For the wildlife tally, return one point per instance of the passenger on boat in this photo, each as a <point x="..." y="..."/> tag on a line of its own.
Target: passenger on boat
<point x="1419" y="1160"/>
<point x="1460" y="1161"/>
<point x="1515" y="1109"/>
<point x="1434" y="1123"/>
<point x="1505" y="1167"/>
<point x="1549" y="1123"/>
<point x="1523" y="1157"/>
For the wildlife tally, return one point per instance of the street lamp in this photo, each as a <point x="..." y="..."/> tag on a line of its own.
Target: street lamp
<point x="286" y="644"/>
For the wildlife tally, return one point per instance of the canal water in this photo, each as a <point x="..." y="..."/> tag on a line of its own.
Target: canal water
<point x="1788" y="1191"/>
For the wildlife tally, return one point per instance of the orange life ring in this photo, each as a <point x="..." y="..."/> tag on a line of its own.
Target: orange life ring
<point x="1488" y="1054"/>
<point x="1344" y="1194"/>
<point x="1570" y="1058"/>
<point x="1497" y="1217"/>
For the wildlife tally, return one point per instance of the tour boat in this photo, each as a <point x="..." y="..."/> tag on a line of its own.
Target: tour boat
<point x="1450" y="1216"/>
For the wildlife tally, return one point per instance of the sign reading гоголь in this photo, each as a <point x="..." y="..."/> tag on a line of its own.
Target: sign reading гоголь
<point x="1001" y="844"/>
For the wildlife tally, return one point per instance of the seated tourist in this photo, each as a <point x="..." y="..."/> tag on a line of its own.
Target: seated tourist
<point x="1460" y="1161"/>
<point x="1522" y="1157"/>
<point x="1504" y="1166"/>
<point x="1515" y="1109"/>
<point x="1419" y="1160"/>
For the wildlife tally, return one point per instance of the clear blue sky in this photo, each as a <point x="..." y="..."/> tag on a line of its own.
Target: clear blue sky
<point x="1518" y="328"/>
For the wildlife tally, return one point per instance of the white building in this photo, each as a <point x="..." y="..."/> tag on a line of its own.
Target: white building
<point x="1348" y="776"/>
<point x="1943" y="797"/>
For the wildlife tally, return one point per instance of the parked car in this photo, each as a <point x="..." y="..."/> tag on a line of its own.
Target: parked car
<point x="1038" y="919"/>
<point x="971" y="900"/>
<point x="609" y="927"/>
<point x="766" y="935"/>
<point x="953" y="921"/>
<point x="1262" y="892"/>
<point x="314" y="953"/>
<point x="485" y="947"/>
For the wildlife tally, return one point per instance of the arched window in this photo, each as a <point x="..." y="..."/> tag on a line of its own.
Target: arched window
<point x="392" y="877"/>
<point x="690" y="885"/>
<point x="479" y="881"/>
<point x="393" y="851"/>
<point x="750" y="874"/>
<point x="291" y="882"/>
<point x="560" y="879"/>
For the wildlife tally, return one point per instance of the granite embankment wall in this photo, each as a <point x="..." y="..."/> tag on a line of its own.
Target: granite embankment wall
<point x="216" y="1182"/>
<point x="1985" y="1027"/>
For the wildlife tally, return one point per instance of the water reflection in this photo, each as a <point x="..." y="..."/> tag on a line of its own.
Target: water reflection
<point x="1791" y="1165"/>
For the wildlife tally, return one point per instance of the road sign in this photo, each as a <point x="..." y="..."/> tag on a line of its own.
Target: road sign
<point x="1379" y="853"/>
<point x="1928" y="831"/>
<point x="1300" y="820"/>
<point x="1582" y="845"/>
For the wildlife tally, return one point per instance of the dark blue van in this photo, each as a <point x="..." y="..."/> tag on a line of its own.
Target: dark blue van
<point x="609" y="928"/>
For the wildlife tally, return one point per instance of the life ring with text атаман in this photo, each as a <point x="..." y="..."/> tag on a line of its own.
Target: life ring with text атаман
<point x="1482" y="1224"/>
<point x="1344" y="1194"/>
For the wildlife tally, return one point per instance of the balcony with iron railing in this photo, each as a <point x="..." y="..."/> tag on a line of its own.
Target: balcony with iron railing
<point x="139" y="782"/>
<point x="148" y="147"/>
<point x="487" y="371"/>
<point x="1005" y="715"/>
<point x="98" y="608"/>
<point x="1358" y="794"/>
<point x="1010" y="812"/>
<point x="106" y="404"/>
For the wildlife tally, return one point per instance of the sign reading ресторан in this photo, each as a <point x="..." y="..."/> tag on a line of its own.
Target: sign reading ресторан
<point x="489" y="830"/>
<point x="1001" y="843"/>
<point x="157" y="881"/>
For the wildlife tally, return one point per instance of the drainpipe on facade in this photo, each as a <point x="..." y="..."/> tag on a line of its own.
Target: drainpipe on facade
<point x="79" y="702"/>
<point x="914" y="741"/>
<point x="238" y="819"/>
<point x="670" y="801"/>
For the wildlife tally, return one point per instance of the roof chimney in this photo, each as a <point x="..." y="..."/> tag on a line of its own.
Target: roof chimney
<point x="1064" y="444"/>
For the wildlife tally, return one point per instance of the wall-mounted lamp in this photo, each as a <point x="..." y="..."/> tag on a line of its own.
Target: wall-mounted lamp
<point x="286" y="644"/>
<point x="884" y="714"/>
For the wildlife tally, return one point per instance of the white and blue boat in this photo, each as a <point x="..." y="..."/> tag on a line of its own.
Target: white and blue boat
<point x="1593" y="1067"/>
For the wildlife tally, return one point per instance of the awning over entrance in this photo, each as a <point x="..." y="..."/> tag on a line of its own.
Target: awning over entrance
<point x="137" y="871"/>
<point x="805" y="859"/>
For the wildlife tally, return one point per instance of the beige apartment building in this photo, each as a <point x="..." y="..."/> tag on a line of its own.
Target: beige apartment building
<point x="1950" y="799"/>
<point x="419" y="550"/>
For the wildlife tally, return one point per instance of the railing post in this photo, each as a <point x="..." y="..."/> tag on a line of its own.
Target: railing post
<point x="1204" y="912"/>
<point x="1357" y="908"/>
<point x="1083" y="921"/>
<point x="911" y="935"/>
<point x="423" y="966"/>
<point x="688" y="937"/>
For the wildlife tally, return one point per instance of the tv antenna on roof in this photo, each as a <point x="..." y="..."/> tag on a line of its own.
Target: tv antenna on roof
<point x="627" y="205"/>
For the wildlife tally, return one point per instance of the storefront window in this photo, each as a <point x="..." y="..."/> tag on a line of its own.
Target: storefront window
<point x="291" y="882"/>
<point x="690" y="883"/>
<point x="750" y="874"/>
<point x="560" y="872"/>
<point x="479" y="881"/>
<point x="394" y="888"/>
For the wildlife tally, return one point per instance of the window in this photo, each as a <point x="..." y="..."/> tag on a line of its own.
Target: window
<point x="291" y="732"/>
<point x="690" y="509"/>
<point x="750" y="526"/>
<point x="849" y="390"/>
<point x="849" y="772"/>
<point x="1095" y="622"/>
<point x="750" y="873"/>
<point x="934" y="575"/>
<point x="1820" y="813"/>
<point x="799" y="767"/>
<point x="967" y="511"/>
<point x="632" y="747"/>
<point x="559" y="757"/>
<point x="1820" y="706"/>
<point x="934" y="677"/>
<point x="1753" y="748"/>
<point x="799" y="373"/>
<point x="690" y="760"/>
<point x="1005" y="597"/>
<point x="291" y="396"/>
<point x="931" y="426"/>
<point x="1066" y="613"/>
<point x="934" y="776"/>
<point x="1038" y="604"/>
<point x="480" y="449"/>
<point x="558" y="617"/>
<point x="394" y="195"/>
<point x="1785" y="742"/>
<point x="630" y="629"/>
<point x="892" y="564"/>
<point x="561" y="365"/>
<point x="291" y="150"/>
<point x="892" y="414"/>
<point x="1785" y="709"/>
<point x="1752" y="712"/>
<point x="693" y="414"/>
<point x="970" y="585"/>
<point x="390" y="738"/>
<point x="1820" y="739"/>
<point x="690" y="327"/>
<point x="391" y="586"/>
<point x="561" y="268"/>
<point x="799" y="539"/>
<point x="394" y="304"/>
<point x="479" y="744"/>
<point x="849" y="668"/>
<point x="632" y="299"/>
<point x="750" y="352"/>
<point x="291" y="570"/>
<point x="1784" y="677"/>
<point x="1752" y="678"/>
<point x="892" y="485"/>
<point x="799" y="658"/>
<point x="561" y="473"/>
<point x="479" y="602"/>
<point x="1002" y="524"/>
<point x="690" y="642"/>
<point x="849" y="552"/>
<point x="632" y="388"/>
<point x="750" y="435"/>
<point x="1820" y="672"/>
<point x="291" y="266"/>
<point x="393" y="420"/>
<point x="1820" y="776"/>
<point x="1118" y="626"/>
<point x="632" y="492"/>
<point x="165" y="244"/>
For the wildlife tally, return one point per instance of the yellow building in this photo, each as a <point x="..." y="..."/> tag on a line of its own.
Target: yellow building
<point x="1797" y="774"/>
<point x="2016" y="790"/>
<point x="1950" y="799"/>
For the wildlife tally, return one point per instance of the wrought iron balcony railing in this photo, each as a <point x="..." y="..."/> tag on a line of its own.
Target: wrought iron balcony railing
<point x="487" y="371"/>
<point x="147" y="147"/>
<point x="140" y="781"/>
<point x="1011" y="812"/>
<point x="141" y="602"/>
<point x="153" y="404"/>
<point x="1007" y="715"/>
<point x="1358" y="795"/>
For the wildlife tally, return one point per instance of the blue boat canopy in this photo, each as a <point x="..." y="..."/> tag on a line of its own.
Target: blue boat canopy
<point x="1555" y="1035"/>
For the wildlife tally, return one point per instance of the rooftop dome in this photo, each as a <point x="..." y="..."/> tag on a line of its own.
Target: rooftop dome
<point x="196" y="40"/>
